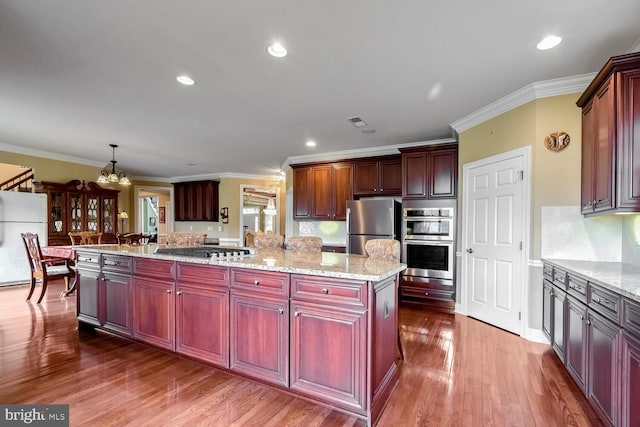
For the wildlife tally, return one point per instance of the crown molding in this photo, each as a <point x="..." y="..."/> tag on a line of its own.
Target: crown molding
<point x="635" y="47"/>
<point x="359" y="152"/>
<point x="206" y="176"/>
<point x="533" y="91"/>
<point x="48" y="155"/>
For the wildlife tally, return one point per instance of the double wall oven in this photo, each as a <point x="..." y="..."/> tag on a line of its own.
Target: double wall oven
<point x="428" y="243"/>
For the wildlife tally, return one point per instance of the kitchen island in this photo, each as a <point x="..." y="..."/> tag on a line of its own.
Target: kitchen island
<point x="322" y="326"/>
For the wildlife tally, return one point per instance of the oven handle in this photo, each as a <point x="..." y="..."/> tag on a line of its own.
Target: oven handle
<point x="425" y="218"/>
<point x="429" y="242"/>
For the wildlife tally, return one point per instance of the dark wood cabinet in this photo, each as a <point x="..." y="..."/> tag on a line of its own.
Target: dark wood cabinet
<point x="630" y="387"/>
<point x="260" y="336"/>
<point x="378" y="176"/>
<point x="154" y="302"/>
<point x="336" y="372"/>
<point x="430" y="172"/>
<point x="88" y="289"/>
<point x="547" y="301"/>
<point x="558" y="323"/>
<point x="78" y="206"/>
<point x="196" y="201"/>
<point x="202" y="313"/>
<point x="576" y="350"/>
<point x="320" y="192"/>
<point x="302" y="192"/>
<point x="610" y="138"/>
<point x="117" y="309"/>
<point x="602" y="384"/>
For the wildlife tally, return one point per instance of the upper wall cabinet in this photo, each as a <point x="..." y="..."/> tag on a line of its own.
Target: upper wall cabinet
<point x="379" y="176"/>
<point x="430" y="172"/>
<point x="321" y="191"/>
<point x="78" y="206"/>
<point x="196" y="201"/>
<point x="611" y="138"/>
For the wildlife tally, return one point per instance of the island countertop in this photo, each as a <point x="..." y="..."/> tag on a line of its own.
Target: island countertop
<point x="327" y="264"/>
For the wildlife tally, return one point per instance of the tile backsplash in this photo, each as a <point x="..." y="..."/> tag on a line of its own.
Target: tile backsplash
<point x="332" y="232"/>
<point x="566" y="234"/>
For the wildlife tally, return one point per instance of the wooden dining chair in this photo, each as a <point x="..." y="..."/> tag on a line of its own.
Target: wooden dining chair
<point x="44" y="268"/>
<point x="386" y="249"/>
<point x="85" y="238"/>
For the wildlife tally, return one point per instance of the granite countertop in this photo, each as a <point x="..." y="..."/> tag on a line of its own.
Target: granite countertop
<point x="327" y="264"/>
<point x="621" y="278"/>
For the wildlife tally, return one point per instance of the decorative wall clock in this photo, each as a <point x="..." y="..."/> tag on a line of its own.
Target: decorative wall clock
<point x="557" y="141"/>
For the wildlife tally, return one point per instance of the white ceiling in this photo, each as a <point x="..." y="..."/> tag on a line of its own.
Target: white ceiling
<point x="77" y="75"/>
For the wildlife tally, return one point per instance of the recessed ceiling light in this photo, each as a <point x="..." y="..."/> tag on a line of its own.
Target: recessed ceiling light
<point x="310" y="143"/>
<point x="277" y="49"/>
<point x="548" y="42"/>
<point x="185" y="80"/>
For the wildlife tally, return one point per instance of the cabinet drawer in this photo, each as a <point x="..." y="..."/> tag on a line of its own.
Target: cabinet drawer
<point x="203" y="274"/>
<point x="547" y="271"/>
<point x="577" y="287"/>
<point x="117" y="263"/>
<point x="88" y="260"/>
<point x="631" y="316"/>
<point x="560" y="278"/>
<point x="329" y="291"/>
<point x="437" y="294"/>
<point x="604" y="302"/>
<point x="269" y="282"/>
<point x="161" y="269"/>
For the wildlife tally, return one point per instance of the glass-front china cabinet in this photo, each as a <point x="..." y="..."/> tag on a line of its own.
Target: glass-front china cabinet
<point x="78" y="206"/>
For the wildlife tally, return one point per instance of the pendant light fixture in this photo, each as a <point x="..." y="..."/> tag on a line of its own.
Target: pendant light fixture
<point x="270" y="209"/>
<point x="107" y="177"/>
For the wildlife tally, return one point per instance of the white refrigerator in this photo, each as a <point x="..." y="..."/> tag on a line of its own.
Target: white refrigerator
<point x="19" y="213"/>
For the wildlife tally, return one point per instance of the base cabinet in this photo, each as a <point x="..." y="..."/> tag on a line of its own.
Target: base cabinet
<point x="117" y="310"/>
<point x="88" y="289"/>
<point x="602" y="385"/>
<point x="630" y="387"/>
<point x="558" y="336"/>
<point x="328" y="354"/>
<point x="260" y="337"/>
<point x="576" y="350"/>
<point x="154" y="319"/>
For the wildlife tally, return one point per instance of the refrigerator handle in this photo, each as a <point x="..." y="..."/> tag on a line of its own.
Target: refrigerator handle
<point x="348" y="229"/>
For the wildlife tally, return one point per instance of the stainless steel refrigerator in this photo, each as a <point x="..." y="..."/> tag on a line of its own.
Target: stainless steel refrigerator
<point x="19" y="213"/>
<point x="371" y="219"/>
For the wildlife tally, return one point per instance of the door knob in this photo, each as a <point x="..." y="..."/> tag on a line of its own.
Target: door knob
<point x="470" y="250"/>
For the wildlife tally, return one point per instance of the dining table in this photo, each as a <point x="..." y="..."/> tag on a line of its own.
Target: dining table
<point x="68" y="253"/>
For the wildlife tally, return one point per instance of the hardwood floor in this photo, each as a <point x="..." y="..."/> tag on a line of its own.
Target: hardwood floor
<point x="457" y="372"/>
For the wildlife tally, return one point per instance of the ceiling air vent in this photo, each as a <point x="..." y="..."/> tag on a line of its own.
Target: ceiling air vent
<point x="357" y="122"/>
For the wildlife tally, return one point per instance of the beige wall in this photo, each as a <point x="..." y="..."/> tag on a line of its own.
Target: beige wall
<point x="229" y="191"/>
<point x="555" y="175"/>
<point x="59" y="171"/>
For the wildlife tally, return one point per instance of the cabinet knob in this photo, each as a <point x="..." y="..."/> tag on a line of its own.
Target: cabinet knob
<point x="325" y="290"/>
<point x="470" y="250"/>
<point x="281" y="310"/>
<point x="581" y="317"/>
<point x="588" y="322"/>
<point x="256" y="282"/>
<point x="426" y="293"/>
<point x="179" y="293"/>
<point x="297" y="313"/>
<point x="374" y="190"/>
<point x="168" y="291"/>
<point x="596" y="299"/>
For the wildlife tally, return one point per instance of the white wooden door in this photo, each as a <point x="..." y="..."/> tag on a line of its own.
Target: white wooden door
<point x="494" y="277"/>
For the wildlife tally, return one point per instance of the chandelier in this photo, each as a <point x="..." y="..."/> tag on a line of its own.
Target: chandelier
<point x="107" y="177"/>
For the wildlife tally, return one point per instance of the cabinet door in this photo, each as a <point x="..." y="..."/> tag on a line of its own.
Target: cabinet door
<point x="576" y="350"/>
<point x="202" y="323"/>
<point x="365" y="178"/>
<point x="602" y="385"/>
<point x="442" y="170"/>
<point x="88" y="296"/>
<point x="75" y="210"/>
<point x="605" y="137"/>
<point x="259" y="338"/>
<point x="153" y="308"/>
<point x="629" y="137"/>
<point x="321" y="178"/>
<point x="630" y="410"/>
<point x="341" y="189"/>
<point x="414" y="175"/>
<point x="117" y="312"/>
<point x="558" y="309"/>
<point x="92" y="212"/>
<point x="108" y="217"/>
<point x="302" y="193"/>
<point x="328" y="354"/>
<point x="390" y="177"/>
<point x="588" y="160"/>
<point x="547" y="298"/>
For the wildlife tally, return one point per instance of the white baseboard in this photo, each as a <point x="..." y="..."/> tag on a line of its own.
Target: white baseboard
<point x="535" y="335"/>
<point x="458" y="309"/>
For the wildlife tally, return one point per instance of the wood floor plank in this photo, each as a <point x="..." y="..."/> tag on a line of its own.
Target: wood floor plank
<point x="457" y="371"/>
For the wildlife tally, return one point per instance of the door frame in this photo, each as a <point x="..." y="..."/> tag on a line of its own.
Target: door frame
<point x="277" y="202"/>
<point x="137" y="205"/>
<point x="525" y="153"/>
